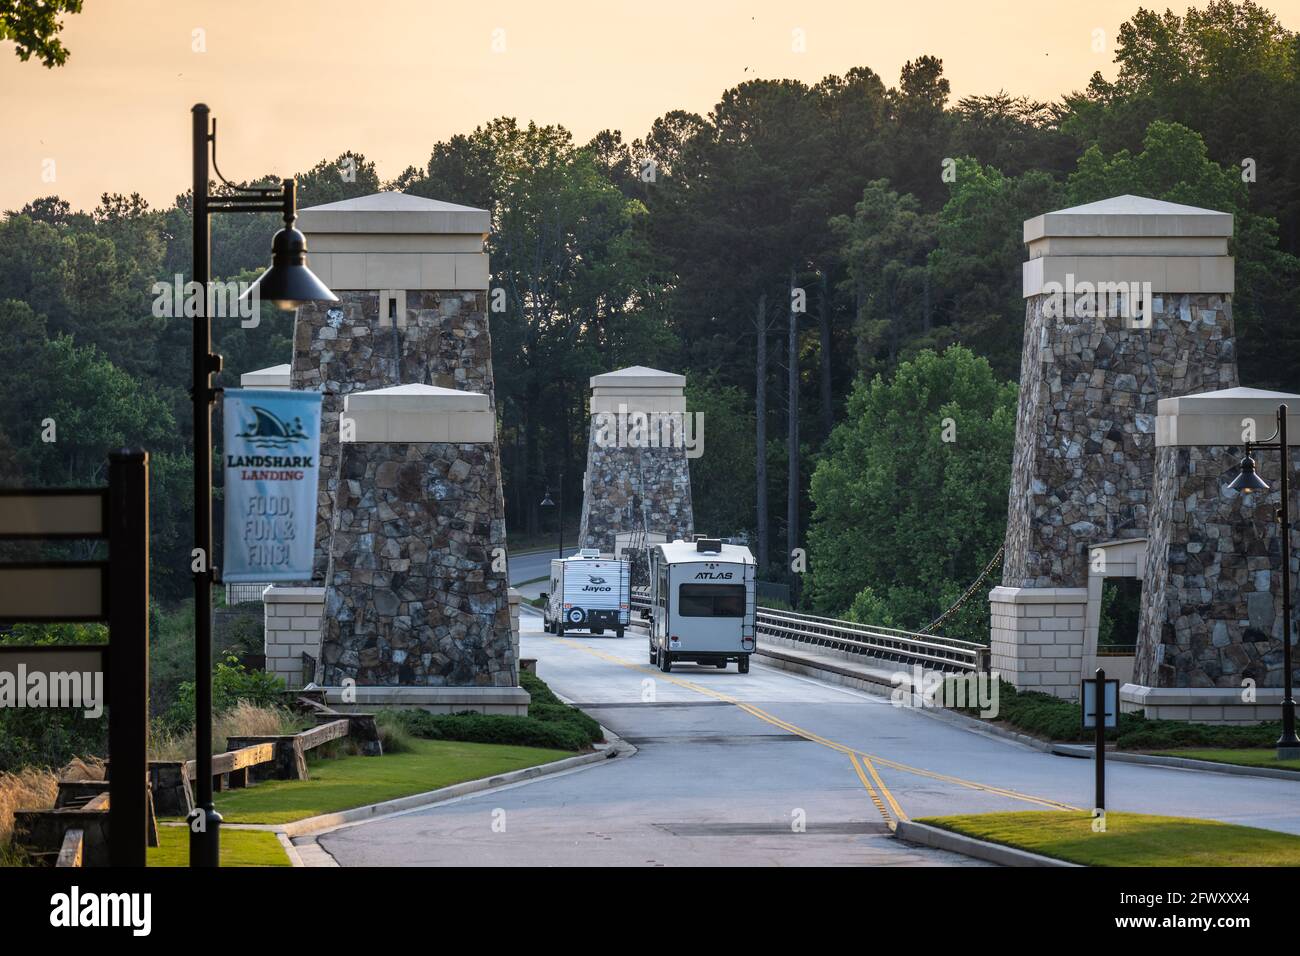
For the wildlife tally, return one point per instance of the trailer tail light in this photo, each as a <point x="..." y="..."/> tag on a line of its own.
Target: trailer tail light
<point x="623" y="607"/>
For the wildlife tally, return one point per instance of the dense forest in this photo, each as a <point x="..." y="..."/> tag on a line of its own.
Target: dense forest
<point x="835" y="267"/>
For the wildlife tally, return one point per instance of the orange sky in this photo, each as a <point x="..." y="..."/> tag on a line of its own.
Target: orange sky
<point x="292" y="83"/>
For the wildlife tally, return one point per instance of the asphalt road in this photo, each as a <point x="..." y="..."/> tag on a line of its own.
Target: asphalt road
<point x="729" y="764"/>
<point x="528" y="567"/>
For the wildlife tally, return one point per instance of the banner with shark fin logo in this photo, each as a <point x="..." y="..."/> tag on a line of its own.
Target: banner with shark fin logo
<point x="272" y="463"/>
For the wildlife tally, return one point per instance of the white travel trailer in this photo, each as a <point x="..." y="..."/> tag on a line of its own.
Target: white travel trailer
<point x="701" y="604"/>
<point x="588" y="592"/>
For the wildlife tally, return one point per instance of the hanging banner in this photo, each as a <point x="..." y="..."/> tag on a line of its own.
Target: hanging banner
<point x="272" y="463"/>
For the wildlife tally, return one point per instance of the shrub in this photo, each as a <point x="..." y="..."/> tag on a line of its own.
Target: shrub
<point x="244" y="719"/>
<point x="231" y="683"/>
<point x="488" y="729"/>
<point x="550" y="723"/>
<point x="1055" y="719"/>
<point x="32" y="788"/>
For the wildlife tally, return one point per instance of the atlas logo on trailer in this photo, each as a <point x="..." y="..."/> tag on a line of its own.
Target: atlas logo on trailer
<point x="713" y="576"/>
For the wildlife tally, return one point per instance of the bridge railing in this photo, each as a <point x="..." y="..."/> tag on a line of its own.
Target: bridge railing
<point x="887" y="643"/>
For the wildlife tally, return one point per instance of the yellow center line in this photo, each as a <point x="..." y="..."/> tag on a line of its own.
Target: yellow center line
<point x="875" y="798"/>
<point x="868" y="759"/>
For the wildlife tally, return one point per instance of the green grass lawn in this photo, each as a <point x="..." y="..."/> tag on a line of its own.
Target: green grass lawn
<point x="1131" y="839"/>
<point x="1242" y="756"/>
<point x="238" y="848"/>
<point x="345" y="782"/>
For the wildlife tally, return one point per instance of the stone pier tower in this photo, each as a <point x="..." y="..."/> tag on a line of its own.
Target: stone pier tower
<point x="1212" y="594"/>
<point x="1128" y="300"/>
<point x="637" y="476"/>
<point x="411" y="275"/>
<point x="417" y="608"/>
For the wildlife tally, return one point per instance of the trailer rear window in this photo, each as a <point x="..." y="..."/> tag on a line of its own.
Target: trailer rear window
<point x="711" y="600"/>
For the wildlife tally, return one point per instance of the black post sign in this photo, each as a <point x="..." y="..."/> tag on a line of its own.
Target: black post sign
<point x="1100" y="699"/>
<point x="114" y="591"/>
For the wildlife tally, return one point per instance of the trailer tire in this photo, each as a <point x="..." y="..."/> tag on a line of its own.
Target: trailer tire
<point x="654" y="656"/>
<point x="598" y="630"/>
<point x="665" y="662"/>
<point x="742" y="665"/>
<point x="557" y="629"/>
<point x="619" y="633"/>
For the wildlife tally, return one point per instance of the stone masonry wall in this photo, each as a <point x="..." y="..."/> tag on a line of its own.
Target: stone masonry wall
<point x="1085" y="431"/>
<point x="624" y="483"/>
<point x="414" y="598"/>
<point x="1212" y="596"/>
<point x="343" y="348"/>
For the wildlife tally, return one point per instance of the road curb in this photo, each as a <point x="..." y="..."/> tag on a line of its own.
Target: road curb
<point x="941" y="839"/>
<point x="977" y="726"/>
<point x="831" y="673"/>
<point x="1179" y="763"/>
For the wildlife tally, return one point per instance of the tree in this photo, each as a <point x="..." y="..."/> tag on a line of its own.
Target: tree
<point x="1231" y="72"/>
<point x="722" y="478"/>
<point x="34" y="28"/>
<point x="1174" y="165"/>
<point x="909" y="500"/>
<point x="977" y="262"/>
<point x="885" y="245"/>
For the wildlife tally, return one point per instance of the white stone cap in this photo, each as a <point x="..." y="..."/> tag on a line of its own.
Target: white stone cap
<point x="638" y="377"/>
<point x="392" y="241"/>
<point x="393" y="212"/>
<point x="277" y="376"/>
<point x="1196" y="696"/>
<point x="1220" y="418"/>
<point x="1159" y="246"/>
<point x="1130" y="216"/>
<point x="1007" y="595"/>
<point x="638" y="389"/>
<point x="420" y="696"/>
<point x="277" y="595"/>
<point x="417" y="413"/>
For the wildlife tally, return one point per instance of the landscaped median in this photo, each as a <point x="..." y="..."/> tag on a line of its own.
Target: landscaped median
<point x="1130" y="839"/>
<point x="423" y="752"/>
<point x="1052" y="719"/>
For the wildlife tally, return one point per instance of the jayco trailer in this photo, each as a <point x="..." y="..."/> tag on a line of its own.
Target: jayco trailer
<point x="588" y="592"/>
<point x="701" y="604"/>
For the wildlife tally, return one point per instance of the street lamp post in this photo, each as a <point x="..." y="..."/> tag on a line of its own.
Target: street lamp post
<point x="548" y="503"/>
<point x="288" y="283"/>
<point x="1248" y="482"/>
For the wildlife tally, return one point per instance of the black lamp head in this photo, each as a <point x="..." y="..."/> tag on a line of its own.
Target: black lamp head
<point x="289" y="283"/>
<point x="1248" y="481"/>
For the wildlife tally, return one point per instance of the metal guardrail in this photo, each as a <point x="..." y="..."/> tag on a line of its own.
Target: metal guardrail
<point x="1116" y="650"/>
<point x="887" y="643"/>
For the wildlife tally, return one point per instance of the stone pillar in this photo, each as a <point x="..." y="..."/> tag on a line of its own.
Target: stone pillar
<point x="411" y="275"/>
<point x="1035" y="641"/>
<point x="293" y="625"/>
<point x="637" y="476"/>
<point x="1127" y="299"/>
<point x="1212" y="593"/>
<point x="417" y="608"/>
